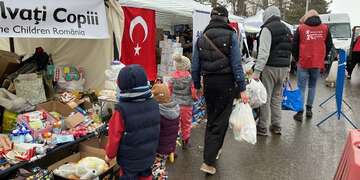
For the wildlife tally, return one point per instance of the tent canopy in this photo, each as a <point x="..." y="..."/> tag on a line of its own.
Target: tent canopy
<point x="253" y="23"/>
<point x="173" y="12"/>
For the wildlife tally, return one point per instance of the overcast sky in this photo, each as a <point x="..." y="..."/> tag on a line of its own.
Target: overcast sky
<point x="352" y="7"/>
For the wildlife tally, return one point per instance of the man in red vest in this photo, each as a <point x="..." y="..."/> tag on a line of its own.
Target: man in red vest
<point x="312" y="42"/>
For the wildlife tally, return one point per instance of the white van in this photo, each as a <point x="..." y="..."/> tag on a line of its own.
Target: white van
<point x="339" y="25"/>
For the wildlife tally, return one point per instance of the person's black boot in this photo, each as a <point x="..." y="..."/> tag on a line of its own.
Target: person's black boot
<point x="299" y="116"/>
<point x="309" y="113"/>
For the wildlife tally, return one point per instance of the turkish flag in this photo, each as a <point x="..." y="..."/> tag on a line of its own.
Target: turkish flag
<point x="138" y="42"/>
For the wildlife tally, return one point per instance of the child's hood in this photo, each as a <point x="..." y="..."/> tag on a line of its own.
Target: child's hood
<point x="170" y="110"/>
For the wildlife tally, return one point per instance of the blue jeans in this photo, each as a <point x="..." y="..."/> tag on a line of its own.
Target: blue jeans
<point x="308" y="77"/>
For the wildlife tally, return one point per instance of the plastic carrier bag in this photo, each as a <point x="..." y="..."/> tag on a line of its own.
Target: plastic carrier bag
<point x="257" y="93"/>
<point x="242" y="122"/>
<point x="333" y="72"/>
<point x="292" y="98"/>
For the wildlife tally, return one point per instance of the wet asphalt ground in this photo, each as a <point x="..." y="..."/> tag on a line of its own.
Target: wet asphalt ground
<point x="303" y="151"/>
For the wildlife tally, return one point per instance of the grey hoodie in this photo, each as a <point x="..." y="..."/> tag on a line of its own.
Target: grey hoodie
<point x="265" y="41"/>
<point x="170" y="110"/>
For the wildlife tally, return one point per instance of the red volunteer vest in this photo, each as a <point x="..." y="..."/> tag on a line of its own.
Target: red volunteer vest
<point x="312" y="46"/>
<point x="357" y="45"/>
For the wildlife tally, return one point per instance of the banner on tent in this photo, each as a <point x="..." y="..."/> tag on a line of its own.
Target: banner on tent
<point x="200" y="20"/>
<point x="53" y="19"/>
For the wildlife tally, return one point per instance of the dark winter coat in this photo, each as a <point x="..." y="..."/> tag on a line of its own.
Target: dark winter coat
<point x="280" y="51"/>
<point x="139" y="143"/>
<point x="169" y="127"/>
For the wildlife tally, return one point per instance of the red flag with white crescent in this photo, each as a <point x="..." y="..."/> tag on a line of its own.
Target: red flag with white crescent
<point x="138" y="42"/>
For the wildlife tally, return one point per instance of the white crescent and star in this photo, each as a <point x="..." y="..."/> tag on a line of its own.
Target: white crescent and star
<point x="138" y="20"/>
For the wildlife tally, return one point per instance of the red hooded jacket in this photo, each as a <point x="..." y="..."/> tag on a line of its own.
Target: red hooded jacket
<point x="312" y="45"/>
<point x="312" y="42"/>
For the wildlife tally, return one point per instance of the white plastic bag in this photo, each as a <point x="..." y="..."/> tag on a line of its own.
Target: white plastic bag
<point x="242" y="122"/>
<point x="66" y="170"/>
<point x="257" y="93"/>
<point x="333" y="72"/>
<point x="90" y="167"/>
<point x="248" y="64"/>
<point x="111" y="75"/>
<point x="10" y="101"/>
<point x="355" y="76"/>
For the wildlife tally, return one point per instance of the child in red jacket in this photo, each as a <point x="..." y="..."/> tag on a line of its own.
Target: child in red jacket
<point x="135" y="126"/>
<point x="183" y="93"/>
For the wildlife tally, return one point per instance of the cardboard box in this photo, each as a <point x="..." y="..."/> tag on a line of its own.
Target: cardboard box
<point x="55" y="106"/>
<point x="74" y="120"/>
<point x="86" y="105"/>
<point x="9" y="63"/>
<point x="76" y="158"/>
<point x="91" y="148"/>
<point x="94" y="145"/>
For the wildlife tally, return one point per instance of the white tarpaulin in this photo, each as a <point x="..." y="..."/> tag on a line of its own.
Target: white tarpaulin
<point x="172" y="12"/>
<point x="94" y="55"/>
<point x="53" y="19"/>
<point x="253" y="23"/>
<point x="202" y="18"/>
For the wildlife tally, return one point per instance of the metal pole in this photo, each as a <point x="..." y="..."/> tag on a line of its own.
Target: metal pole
<point x="11" y="44"/>
<point x="307" y="5"/>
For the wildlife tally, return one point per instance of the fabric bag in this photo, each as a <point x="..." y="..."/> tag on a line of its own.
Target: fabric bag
<point x="31" y="88"/>
<point x="292" y="98"/>
<point x="257" y="93"/>
<point x="333" y="72"/>
<point x="242" y="122"/>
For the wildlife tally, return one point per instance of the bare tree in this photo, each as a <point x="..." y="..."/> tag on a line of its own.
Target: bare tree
<point x="238" y="7"/>
<point x="265" y="3"/>
<point x="213" y="3"/>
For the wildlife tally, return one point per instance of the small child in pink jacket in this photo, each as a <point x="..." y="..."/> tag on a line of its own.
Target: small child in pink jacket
<point x="183" y="93"/>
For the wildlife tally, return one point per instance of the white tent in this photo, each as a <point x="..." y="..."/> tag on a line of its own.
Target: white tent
<point x="94" y="55"/>
<point x="253" y="23"/>
<point x="172" y="12"/>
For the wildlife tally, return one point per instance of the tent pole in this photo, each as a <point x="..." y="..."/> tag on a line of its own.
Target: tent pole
<point x="12" y="45"/>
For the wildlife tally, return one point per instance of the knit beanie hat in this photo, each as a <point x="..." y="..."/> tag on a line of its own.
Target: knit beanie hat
<point x="161" y="93"/>
<point x="131" y="77"/>
<point x="220" y="11"/>
<point x="182" y="63"/>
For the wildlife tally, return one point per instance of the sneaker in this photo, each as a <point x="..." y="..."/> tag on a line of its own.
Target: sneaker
<point x="298" y="116"/>
<point x="309" y="113"/>
<point x="261" y="131"/>
<point x="208" y="169"/>
<point x="219" y="154"/>
<point x="275" y="130"/>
